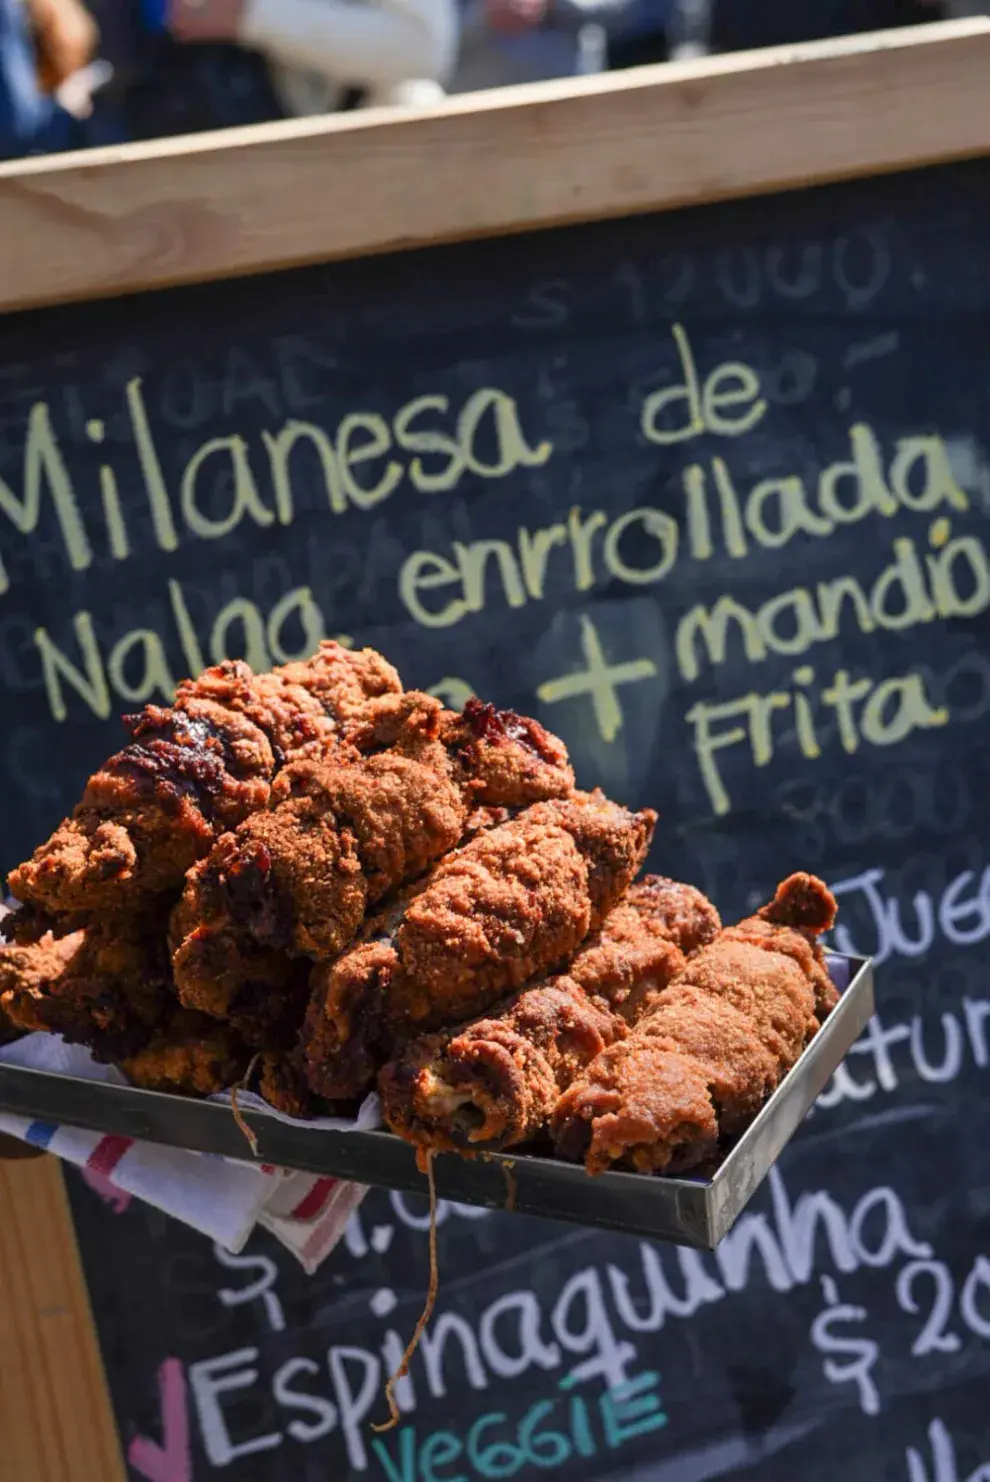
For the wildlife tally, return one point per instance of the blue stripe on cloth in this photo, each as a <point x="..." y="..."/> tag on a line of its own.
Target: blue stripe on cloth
<point x="40" y="1134"/>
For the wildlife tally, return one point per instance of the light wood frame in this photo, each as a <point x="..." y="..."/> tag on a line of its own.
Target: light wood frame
<point x="145" y="217"/>
<point x="56" y="1421"/>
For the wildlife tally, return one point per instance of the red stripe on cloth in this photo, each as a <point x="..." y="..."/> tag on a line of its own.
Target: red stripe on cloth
<point x="107" y="1154"/>
<point x="310" y="1204"/>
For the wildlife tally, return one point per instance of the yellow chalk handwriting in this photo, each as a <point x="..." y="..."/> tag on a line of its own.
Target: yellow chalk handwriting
<point x="135" y="667"/>
<point x="720" y="516"/>
<point x="950" y="581"/>
<point x="880" y="714"/>
<point x="89" y="682"/>
<point x="599" y="680"/>
<point x="516" y="572"/>
<point x="730" y="385"/>
<point x="245" y="497"/>
<point x="363" y="462"/>
<point x="44" y="464"/>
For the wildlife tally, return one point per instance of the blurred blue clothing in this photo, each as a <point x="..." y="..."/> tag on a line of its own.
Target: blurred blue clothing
<point x="184" y="89"/>
<point x="30" y="122"/>
<point x="642" y="18"/>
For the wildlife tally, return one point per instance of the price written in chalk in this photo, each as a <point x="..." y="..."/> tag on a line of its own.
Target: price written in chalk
<point x="925" y="1289"/>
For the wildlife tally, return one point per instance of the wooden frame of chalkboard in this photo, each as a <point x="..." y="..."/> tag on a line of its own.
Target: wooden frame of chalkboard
<point x="685" y="1211"/>
<point x="142" y="217"/>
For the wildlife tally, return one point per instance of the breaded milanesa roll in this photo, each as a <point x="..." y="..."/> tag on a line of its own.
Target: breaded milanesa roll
<point x="514" y="902"/>
<point x="492" y="1083"/>
<point x="298" y="879"/>
<point x="191" y="1055"/>
<point x="800" y="906"/>
<point x="723" y="1035"/>
<point x="191" y="771"/>
<point x="106" y="986"/>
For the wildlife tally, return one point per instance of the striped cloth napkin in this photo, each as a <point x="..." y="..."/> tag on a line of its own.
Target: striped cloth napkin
<point x="222" y="1198"/>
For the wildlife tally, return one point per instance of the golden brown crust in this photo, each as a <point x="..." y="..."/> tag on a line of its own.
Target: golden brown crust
<point x="28" y="973"/>
<point x="644" y="1110"/>
<point x="718" y="1036"/>
<point x="509" y="903"/>
<point x="106" y="986"/>
<point x="795" y="944"/>
<point x="26" y="924"/>
<point x="289" y="880"/>
<point x="343" y="680"/>
<point x="151" y="810"/>
<point x="284" y="1086"/>
<point x="505" y="759"/>
<point x="192" y="1055"/>
<point x="803" y="902"/>
<point x="340" y="835"/>
<point x="216" y="970"/>
<point x="643" y="943"/>
<point x="192" y="771"/>
<point x="611" y="840"/>
<point x="345" y="1030"/>
<point x="493" y="1082"/>
<point x="297" y="881"/>
<point x="293" y="720"/>
<point x="515" y="902"/>
<point x="732" y="1023"/>
<point x="769" y="988"/>
<point x="401" y="812"/>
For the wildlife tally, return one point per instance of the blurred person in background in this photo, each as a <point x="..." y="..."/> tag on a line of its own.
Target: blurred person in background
<point x="327" y="54"/>
<point x="510" y="41"/>
<point x="46" y="52"/>
<point x="644" y="34"/>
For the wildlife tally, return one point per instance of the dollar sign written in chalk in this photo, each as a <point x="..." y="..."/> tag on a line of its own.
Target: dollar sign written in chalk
<point x="849" y="1357"/>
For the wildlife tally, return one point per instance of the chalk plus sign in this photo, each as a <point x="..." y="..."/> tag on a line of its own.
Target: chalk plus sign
<point x="599" y="680"/>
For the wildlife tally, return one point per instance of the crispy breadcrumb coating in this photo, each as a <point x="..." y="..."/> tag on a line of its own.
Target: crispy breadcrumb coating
<point x="106" y="986"/>
<point x="699" y="1066"/>
<point x="493" y="1082"/>
<point x="191" y="771"/>
<point x="192" y="1055"/>
<point x="516" y="901"/>
<point x="298" y="879"/>
<point x="285" y="1087"/>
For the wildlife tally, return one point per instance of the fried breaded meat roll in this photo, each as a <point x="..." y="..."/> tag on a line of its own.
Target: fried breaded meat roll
<point x="492" y="1083"/>
<point x="192" y="770"/>
<point x="516" y="901"/>
<point x="191" y="1055"/>
<point x="299" y="878"/>
<point x="720" y="1039"/>
<point x="106" y="986"/>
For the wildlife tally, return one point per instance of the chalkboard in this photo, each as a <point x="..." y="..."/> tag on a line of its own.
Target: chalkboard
<point x="708" y="493"/>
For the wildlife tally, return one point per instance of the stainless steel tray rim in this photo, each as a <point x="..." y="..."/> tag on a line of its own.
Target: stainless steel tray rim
<point x="686" y="1210"/>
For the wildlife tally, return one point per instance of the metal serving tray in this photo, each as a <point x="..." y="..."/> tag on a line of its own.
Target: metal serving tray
<point x="685" y="1211"/>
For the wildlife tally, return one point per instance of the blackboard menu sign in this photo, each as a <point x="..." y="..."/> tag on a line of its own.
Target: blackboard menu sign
<point x="705" y="491"/>
<point x="709" y="493"/>
<point x="840" y="1330"/>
